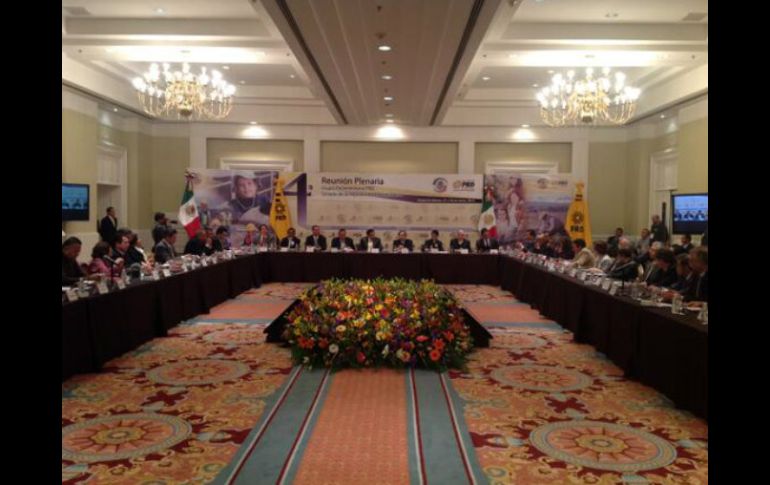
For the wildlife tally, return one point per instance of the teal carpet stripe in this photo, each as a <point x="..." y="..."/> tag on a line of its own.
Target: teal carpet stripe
<point x="458" y="406"/>
<point x="416" y="472"/>
<point x="444" y="462"/>
<point x="262" y="456"/>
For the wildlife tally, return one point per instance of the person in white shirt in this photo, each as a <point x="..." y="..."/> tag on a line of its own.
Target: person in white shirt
<point x="603" y="260"/>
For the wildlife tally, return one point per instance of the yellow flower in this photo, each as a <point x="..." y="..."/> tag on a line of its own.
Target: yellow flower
<point x="340" y="328"/>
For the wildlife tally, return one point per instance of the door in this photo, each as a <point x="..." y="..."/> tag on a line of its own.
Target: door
<point x="663" y="181"/>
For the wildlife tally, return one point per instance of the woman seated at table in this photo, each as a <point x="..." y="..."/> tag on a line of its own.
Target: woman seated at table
<point x="101" y="262"/>
<point x="584" y="258"/>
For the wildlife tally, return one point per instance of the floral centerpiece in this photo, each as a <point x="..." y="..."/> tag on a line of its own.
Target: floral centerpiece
<point x="367" y="323"/>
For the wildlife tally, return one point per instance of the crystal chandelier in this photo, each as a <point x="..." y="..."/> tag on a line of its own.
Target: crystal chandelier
<point x="183" y="94"/>
<point x="588" y="100"/>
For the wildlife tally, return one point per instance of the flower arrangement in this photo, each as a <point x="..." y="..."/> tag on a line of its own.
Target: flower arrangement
<point x="368" y="323"/>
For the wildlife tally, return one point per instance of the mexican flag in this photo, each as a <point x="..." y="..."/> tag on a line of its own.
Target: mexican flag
<point x="188" y="212"/>
<point x="487" y="220"/>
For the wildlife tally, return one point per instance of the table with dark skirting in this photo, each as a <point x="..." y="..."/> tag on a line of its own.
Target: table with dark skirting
<point x="665" y="351"/>
<point x="668" y="352"/>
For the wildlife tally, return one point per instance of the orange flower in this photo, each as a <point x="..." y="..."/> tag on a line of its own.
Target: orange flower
<point x="439" y="344"/>
<point x="435" y="355"/>
<point x="449" y="336"/>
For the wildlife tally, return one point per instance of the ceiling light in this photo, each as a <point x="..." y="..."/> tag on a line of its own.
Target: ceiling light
<point x="389" y="132"/>
<point x="389" y="121"/>
<point x="486" y="78"/>
<point x="387" y="77"/>
<point x="252" y="122"/>
<point x="115" y="110"/>
<point x="242" y="82"/>
<point x="292" y="76"/>
<point x="388" y="98"/>
<point x="662" y="116"/>
<point x="226" y="68"/>
<point x="550" y="71"/>
<point x="389" y="115"/>
<point x="384" y="48"/>
<point x="588" y="100"/>
<point x="159" y="11"/>
<point x="184" y="94"/>
<point x="536" y="85"/>
<point x="525" y="126"/>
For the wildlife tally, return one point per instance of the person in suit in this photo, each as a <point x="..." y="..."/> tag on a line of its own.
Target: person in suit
<point x="108" y="226"/>
<point x="704" y="240"/>
<point x="614" y="240"/>
<point x="342" y="242"/>
<point x="624" y="268"/>
<point x="543" y="245"/>
<point x="699" y="262"/>
<point x="458" y="243"/>
<point x="71" y="272"/>
<point x="122" y="243"/>
<point x="291" y="241"/>
<point x="135" y="253"/>
<point x="684" y="273"/>
<point x="434" y="243"/>
<point x="265" y="239"/>
<point x="603" y="259"/>
<point x="563" y="248"/>
<point x="685" y="247"/>
<point x="647" y="260"/>
<point x="658" y="230"/>
<point x="316" y="240"/>
<point x="584" y="257"/>
<point x="486" y="243"/>
<point x="161" y="226"/>
<point x="221" y="241"/>
<point x="196" y="245"/>
<point x="529" y="241"/>
<point x="370" y="242"/>
<point x="666" y="274"/>
<point x="164" y="250"/>
<point x="402" y="242"/>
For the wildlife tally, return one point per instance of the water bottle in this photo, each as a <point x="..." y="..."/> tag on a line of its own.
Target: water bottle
<point x="703" y="316"/>
<point x="676" y="304"/>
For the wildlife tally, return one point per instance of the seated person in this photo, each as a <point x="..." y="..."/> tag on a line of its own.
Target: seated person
<point x="615" y="240"/>
<point x="643" y="244"/>
<point x="624" y="268"/>
<point x="666" y="274"/>
<point x="250" y="238"/>
<point x="486" y="243"/>
<point x="102" y="263"/>
<point x="543" y="246"/>
<point x="458" y="243"/>
<point x="685" y="276"/>
<point x="563" y="248"/>
<point x="197" y="244"/>
<point x="370" y="242"/>
<point x="316" y="240"/>
<point x="221" y="242"/>
<point x="647" y="260"/>
<point x="265" y="239"/>
<point x="71" y="272"/>
<point x="402" y="243"/>
<point x="291" y="241"/>
<point x="685" y="245"/>
<point x="604" y="260"/>
<point x="121" y="244"/>
<point x="135" y="253"/>
<point x="434" y="243"/>
<point x="529" y="241"/>
<point x="699" y="263"/>
<point x="164" y="250"/>
<point x="584" y="257"/>
<point x="342" y="242"/>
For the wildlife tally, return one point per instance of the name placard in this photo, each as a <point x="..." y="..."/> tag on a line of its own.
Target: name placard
<point x="613" y="290"/>
<point x="121" y="284"/>
<point x="101" y="287"/>
<point x="284" y="250"/>
<point x="166" y="273"/>
<point x="463" y="251"/>
<point x="374" y="251"/>
<point x="494" y="251"/>
<point x="334" y="250"/>
<point x="72" y="295"/>
<point x="311" y="249"/>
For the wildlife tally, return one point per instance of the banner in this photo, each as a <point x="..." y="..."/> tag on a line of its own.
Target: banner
<point x="578" y="222"/>
<point x="523" y="202"/>
<point x="418" y="202"/>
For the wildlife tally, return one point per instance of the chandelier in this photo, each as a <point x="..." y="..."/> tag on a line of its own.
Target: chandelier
<point x="588" y="100"/>
<point x="183" y="94"/>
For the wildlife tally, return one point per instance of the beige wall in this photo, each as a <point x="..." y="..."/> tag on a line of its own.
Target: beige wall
<point x="264" y="150"/>
<point x="170" y="159"/>
<point x="693" y="157"/>
<point x="560" y="153"/>
<point x="607" y="196"/>
<point x="388" y="157"/>
<point x="80" y="135"/>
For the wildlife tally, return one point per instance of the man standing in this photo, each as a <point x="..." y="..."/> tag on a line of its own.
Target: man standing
<point x="659" y="230"/>
<point x="685" y="246"/>
<point x="108" y="226"/>
<point x="486" y="243"/>
<point x="316" y="240"/>
<point x="161" y="226"/>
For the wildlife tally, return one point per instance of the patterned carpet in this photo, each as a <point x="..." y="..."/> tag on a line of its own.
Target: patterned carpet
<point x="213" y="399"/>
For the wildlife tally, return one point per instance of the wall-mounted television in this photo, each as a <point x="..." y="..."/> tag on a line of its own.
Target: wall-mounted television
<point x="75" y="202"/>
<point x="689" y="213"/>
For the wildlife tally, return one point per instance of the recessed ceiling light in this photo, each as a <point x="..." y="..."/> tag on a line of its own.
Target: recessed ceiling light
<point x="159" y="11"/>
<point x="242" y="82"/>
<point x="611" y="15"/>
<point x="550" y="71"/>
<point x="292" y="76"/>
<point x="388" y="98"/>
<point x="252" y="122"/>
<point x="389" y="121"/>
<point x="115" y="109"/>
<point x="486" y="78"/>
<point x="525" y="126"/>
<point x="387" y="77"/>
<point x="384" y="48"/>
<point x="226" y="68"/>
<point x="662" y="116"/>
<point x="536" y="85"/>
<point x="389" y="115"/>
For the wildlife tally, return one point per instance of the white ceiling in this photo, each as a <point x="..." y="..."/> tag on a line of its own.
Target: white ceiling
<point x="317" y="62"/>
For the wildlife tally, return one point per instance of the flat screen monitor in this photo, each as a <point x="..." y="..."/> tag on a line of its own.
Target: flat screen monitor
<point x="74" y="202"/>
<point x="690" y="213"/>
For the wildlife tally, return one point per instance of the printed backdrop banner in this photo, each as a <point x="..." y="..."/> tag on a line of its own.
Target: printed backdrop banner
<point x="529" y="201"/>
<point x="418" y="202"/>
